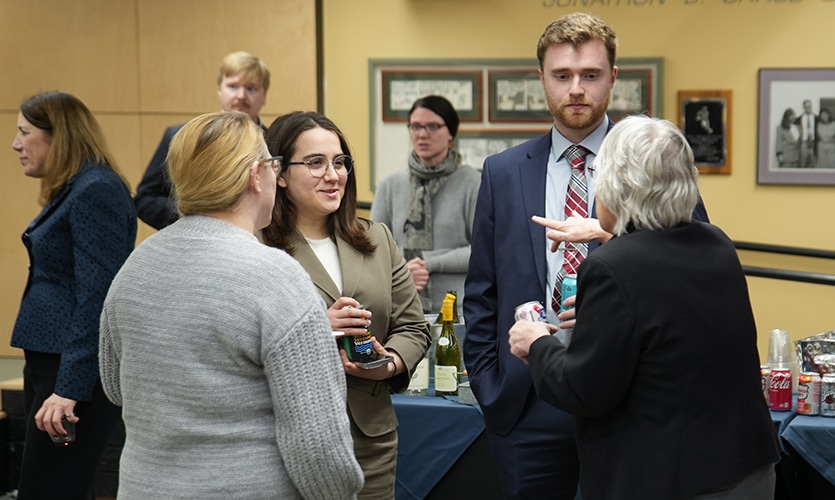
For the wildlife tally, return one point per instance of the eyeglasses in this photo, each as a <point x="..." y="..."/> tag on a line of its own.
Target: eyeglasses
<point x="318" y="165"/>
<point x="416" y="128"/>
<point x="273" y="162"/>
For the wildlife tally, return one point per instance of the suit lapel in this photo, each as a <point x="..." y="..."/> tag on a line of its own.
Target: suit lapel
<point x="532" y="173"/>
<point x="53" y="205"/>
<point x="350" y="260"/>
<point x="307" y="258"/>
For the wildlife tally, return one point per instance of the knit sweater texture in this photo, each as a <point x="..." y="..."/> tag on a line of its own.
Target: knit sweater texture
<point x="453" y="209"/>
<point x="220" y="352"/>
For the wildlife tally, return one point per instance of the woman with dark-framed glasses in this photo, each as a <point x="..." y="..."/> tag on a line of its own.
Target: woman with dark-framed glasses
<point x="353" y="262"/>
<point x="429" y="206"/>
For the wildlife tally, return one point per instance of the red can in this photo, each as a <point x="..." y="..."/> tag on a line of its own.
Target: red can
<point x="809" y="393"/>
<point x="765" y="377"/>
<point x="780" y="389"/>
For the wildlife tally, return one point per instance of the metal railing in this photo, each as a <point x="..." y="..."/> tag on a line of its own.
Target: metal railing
<point x="783" y="274"/>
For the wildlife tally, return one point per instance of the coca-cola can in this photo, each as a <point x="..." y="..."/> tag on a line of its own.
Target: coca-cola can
<point x="828" y="395"/>
<point x="780" y="389"/>
<point x="809" y="393"/>
<point x="765" y="378"/>
<point x="531" y="311"/>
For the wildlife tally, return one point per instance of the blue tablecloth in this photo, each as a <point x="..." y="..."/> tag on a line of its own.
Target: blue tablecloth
<point x="781" y="421"/>
<point x="433" y="432"/>
<point x="813" y="438"/>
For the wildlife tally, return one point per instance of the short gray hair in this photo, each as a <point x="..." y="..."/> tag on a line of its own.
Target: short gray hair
<point x="645" y="175"/>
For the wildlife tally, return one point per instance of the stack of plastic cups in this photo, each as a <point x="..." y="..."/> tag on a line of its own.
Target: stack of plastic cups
<point x="781" y="354"/>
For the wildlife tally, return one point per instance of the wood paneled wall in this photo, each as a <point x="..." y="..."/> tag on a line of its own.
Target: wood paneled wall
<point x="140" y="65"/>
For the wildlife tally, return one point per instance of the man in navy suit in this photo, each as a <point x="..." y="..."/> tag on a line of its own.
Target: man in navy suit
<point x="242" y="81"/>
<point x="532" y="443"/>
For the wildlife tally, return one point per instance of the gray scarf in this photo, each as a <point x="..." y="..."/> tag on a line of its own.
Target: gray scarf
<point x="425" y="183"/>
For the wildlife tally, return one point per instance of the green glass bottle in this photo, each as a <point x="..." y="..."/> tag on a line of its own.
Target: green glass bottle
<point x="447" y="354"/>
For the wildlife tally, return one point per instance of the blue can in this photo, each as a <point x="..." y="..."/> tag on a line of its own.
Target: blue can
<point x="569" y="289"/>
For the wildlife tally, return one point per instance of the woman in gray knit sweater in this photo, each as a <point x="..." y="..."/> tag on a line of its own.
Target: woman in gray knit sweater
<point x="429" y="206"/>
<point x="218" y="348"/>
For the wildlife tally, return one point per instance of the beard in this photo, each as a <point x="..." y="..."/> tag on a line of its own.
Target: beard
<point x="578" y="121"/>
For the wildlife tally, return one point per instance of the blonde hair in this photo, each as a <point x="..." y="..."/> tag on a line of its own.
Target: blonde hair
<point x="577" y="28"/>
<point x="209" y="160"/>
<point x="646" y="175"/>
<point x="253" y="68"/>
<point x="75" y="139"/>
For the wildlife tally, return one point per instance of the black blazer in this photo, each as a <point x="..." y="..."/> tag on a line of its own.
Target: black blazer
<point x="662" y="371"/>
<point x="153" y="194"/>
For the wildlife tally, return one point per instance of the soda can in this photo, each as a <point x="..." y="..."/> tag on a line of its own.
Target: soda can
<point x="531" y="311"/>
<point x="828" y="395"/>
<point x="569" y="289"/>
<point x="809" y="393"/>
<point x="780" y="389"/>
<point x="765" y="377"/>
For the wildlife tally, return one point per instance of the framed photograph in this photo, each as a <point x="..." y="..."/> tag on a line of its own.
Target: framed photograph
<point x="637" y="88"/>
<point x="402" y="88"/>
<point x="796" y="133"/>
<point x="517" y="96"/>
<point x="476" y="145"/>
<point x="704" y="117"/>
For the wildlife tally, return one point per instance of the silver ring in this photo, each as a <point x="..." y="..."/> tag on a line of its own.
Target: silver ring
<point x="69" y="415"/>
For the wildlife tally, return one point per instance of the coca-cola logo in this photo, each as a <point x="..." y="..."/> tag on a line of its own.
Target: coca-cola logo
<point x="780" y="382"/>
<point x="802" y="392"/>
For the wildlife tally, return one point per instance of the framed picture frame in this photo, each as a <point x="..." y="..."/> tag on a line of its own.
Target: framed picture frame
<point x="402" y="88"/>
<point x="517" y="96"/>
<point x="476" y="145"/>
<point x="704" y="117"/>
<point x="637" y="88"/>
<point x="795" y="133"/>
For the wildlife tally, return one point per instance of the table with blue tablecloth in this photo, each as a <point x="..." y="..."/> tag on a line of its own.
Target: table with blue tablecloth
<point x="813" y="439"/>
<point x="807" y="443"/>
<point x="434" y="433"/>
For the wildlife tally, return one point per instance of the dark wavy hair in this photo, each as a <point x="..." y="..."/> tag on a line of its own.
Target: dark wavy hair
<point x="282" y="137"/>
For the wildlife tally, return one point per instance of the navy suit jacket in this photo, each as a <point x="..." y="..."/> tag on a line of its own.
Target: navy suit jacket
<point x="507" y="268"/>
<point x="153" y="194"/>
<point x="76" y="245"/>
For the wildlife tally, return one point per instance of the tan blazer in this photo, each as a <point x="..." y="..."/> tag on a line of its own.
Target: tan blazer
<point x="383" y="284"/>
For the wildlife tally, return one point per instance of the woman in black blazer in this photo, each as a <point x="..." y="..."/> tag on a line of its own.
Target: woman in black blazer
<point x="76" y="245"/>
<point x="663" y="369"/>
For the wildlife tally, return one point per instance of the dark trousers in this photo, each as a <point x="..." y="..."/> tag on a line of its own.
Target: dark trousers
<point x="62" y="472"/>
<point x="538" y="458"/>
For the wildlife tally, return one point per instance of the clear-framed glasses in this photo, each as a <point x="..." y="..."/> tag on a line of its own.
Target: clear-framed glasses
<point x="318" y="165"/>
<point x="416" y="128"/>
<point x="273" y="162"/>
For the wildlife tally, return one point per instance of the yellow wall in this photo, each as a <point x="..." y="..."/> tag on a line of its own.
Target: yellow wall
<point x="140" y="65"/>
<point x="706" y="45"/>
<point x="144" y="64"/>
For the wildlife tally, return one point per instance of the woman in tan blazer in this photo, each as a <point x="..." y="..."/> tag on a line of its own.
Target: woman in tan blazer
<point x="352" y="262"/>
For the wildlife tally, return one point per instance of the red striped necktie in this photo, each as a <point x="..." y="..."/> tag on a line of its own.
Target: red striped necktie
<point x="576" y="204"/>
